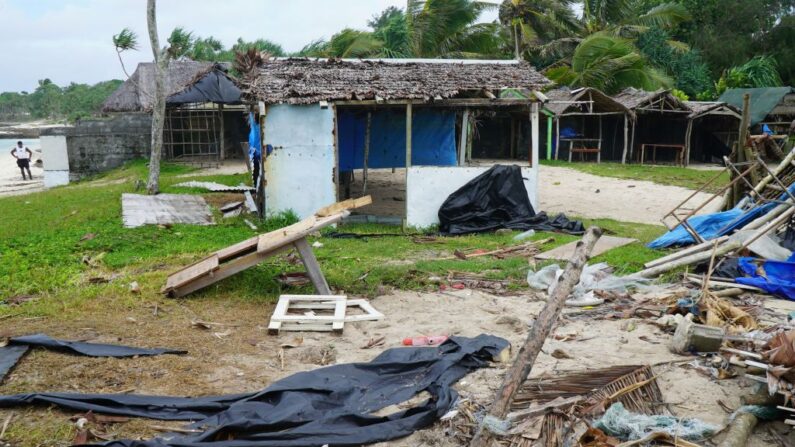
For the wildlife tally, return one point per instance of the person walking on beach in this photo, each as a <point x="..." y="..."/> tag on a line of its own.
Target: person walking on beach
<point x="23" y="156"/>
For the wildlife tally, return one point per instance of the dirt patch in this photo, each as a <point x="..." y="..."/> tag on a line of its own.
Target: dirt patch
<point x="564" y="190"/>
<point x="234" y="354"/>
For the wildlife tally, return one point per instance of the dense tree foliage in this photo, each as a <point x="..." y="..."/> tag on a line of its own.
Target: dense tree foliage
<point x="53" y="102"/>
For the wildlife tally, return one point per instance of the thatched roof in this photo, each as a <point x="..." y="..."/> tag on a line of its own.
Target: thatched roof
<point x="700" y="108"/>
<point x="304" y="81"/>
<point x="661" y="100"/>
<point x="581" y="100"/>
<point x="136" y="94"/>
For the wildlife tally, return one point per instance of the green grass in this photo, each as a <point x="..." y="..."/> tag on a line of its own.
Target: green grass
<point x="45" y="251"/>
<point x="664" y="175"/>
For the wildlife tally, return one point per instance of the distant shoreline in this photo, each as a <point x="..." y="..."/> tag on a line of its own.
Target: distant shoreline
<point x="25" y="130"/>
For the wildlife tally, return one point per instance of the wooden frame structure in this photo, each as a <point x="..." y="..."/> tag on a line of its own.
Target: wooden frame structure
<point x="194" y="133"/>
<point x="333" y="309"/>
<point x="244" y="255"/>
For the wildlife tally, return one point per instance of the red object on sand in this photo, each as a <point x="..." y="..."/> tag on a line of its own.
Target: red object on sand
<point x="432" y="340"/>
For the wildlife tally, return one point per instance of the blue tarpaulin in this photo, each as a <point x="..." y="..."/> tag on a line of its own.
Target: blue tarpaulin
<point x="710" y="226"/>
<point x="775" y="277"/>
<point x="432" y="139"/>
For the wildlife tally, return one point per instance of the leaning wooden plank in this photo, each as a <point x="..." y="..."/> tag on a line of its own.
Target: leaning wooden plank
<point x="192" y="272"/>
<point x="296" y="231"/>
<point x="237" y="249"/>
<point x="349" y="204"/>
<point x="523" y="364"/>
<point x="226" y="270"/>
<point x="312" y="267"/>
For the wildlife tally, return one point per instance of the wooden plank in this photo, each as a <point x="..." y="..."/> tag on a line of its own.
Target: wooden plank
<point x="339" y="317"/>
<point x="235" y="250"/>
<point x="312" y="267"/>
<point x="298" y="327"/>
<point x="226" y="270"/>
<point x="781" y="407"/>
<point x="280" y="310"/>
<point x="603" y="245"/>
<point x="290" y="234"/>
<point x="192" y="272"/>
<point x="319" y="298"/>
<point x="250" y="204"/>
<point x="344" y="205"/>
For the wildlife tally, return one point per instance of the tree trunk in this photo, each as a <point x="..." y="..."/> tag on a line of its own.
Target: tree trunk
<point x="159" y="103"/>
<point x="523" y="364"/>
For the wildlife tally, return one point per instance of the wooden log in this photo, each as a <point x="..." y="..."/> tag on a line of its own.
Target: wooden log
<point x="523" y="364"/>
<point x="684" y="252"/>
<point x="687" y="260"/>
<point x="740" y="430"/>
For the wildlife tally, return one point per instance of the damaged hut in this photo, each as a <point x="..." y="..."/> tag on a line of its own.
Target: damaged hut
<point x="586" y="121"/>
<point x="711" y="131"/>
<point x="659" y="131"/>
<point x="407" y="132"/>
<point x="204" y="121"/>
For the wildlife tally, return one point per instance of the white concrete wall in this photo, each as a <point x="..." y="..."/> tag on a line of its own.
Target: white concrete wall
<point x="429" y="186"/>
<point x="300" y="170"/>
<point x="55" y="158"/>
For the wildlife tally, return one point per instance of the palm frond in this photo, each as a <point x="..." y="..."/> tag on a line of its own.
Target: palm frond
<point x="125" y="40"/>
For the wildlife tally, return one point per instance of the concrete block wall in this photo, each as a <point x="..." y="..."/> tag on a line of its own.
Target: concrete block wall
<point x="98" y="145"/>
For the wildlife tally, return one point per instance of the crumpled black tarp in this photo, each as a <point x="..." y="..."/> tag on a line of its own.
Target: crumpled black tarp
<point x="215" y="87"/>
<point x="331" y="405"/>
<point x="18" y="346"/>
<point x="497" y="199"/>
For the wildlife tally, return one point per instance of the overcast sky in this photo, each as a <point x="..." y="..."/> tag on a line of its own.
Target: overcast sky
<point x="70" y="40"/>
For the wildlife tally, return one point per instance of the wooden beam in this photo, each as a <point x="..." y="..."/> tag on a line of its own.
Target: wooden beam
<point x="462" y="149"/>
<point x="534" y="135"/>
<point x="520" y="369"/>
<point x="312" y="267"/>
<point x="626" y="139"/>
<point x="223" y="140"/>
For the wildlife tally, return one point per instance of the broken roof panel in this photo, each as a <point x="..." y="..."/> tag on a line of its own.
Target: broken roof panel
<point x="764" y="101"/>
<point x="305" y="81"/>
<point x="186" y="81"/>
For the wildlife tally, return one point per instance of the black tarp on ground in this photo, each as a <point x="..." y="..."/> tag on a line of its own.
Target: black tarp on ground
<point x="215" y="87"/>
<point x="331" y="405"/>
<point x="497" y="199"/>
<point x="18" y="346"/>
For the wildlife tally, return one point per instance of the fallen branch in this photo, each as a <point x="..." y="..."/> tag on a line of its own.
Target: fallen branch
<point x="523" y="364"/>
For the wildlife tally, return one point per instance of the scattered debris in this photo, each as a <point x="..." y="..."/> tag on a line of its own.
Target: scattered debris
<point x="214" y="187"/>
<point x="135" y="288"/>
<point x="293" y="279"/>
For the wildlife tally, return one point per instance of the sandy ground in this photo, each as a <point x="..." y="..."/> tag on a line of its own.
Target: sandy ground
<point x="564" y="190"/>
<point x="237" y="355"/>
<point x="11" y="182"/>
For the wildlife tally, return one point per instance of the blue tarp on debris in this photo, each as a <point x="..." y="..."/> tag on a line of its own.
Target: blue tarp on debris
<point x="710" y="226"/>
<point x="432" y="139"/>
<point x="775" y="277"/>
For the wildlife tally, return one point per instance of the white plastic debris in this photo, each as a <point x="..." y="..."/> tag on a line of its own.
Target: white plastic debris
<point x="594" y="277"/>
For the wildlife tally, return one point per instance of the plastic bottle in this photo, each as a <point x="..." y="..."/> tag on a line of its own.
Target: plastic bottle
<point x="525" y="235"/>
<point x="432" y="340"/>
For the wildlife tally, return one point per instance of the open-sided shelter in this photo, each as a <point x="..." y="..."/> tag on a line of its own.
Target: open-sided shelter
<point x="202" y="123"/>
<point x="591" y="123"/>
<point x="712" y="130"/>
<point x="660" y="128"/>
<point x="408" y="132"/>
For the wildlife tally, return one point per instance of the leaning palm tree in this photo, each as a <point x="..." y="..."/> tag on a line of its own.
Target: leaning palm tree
<point x="608" y="63"/>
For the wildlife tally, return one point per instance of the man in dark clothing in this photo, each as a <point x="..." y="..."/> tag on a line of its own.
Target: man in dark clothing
<point x="23" y="156"/>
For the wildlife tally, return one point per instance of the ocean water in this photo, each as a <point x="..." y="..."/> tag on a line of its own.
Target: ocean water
<point x="6" y="144"/>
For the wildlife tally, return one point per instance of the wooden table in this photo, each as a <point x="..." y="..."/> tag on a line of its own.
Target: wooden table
<point x="679" y="158"/>
<point x="584" y="150"/>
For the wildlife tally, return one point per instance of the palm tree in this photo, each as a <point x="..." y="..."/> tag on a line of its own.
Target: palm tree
<point x="447" y="28"/>
<point x="627" y="18"/>
<point x="534" y="23"/>
<point x="608" y="63"/>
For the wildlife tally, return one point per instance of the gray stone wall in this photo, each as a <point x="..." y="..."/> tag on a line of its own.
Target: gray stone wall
<point x="99" y="145"/>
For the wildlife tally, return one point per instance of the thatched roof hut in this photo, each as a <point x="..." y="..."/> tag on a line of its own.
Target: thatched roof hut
<point x="137" y="93"/>
<point x="658" y="101"/>
<point x="582" y="101"/>
<point x="305" y="81"/>
<point x="701" y="108"/>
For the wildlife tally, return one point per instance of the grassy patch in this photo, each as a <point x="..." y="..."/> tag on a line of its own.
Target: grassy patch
<point x="664" y="175"/>
<point x="68" y="249"/>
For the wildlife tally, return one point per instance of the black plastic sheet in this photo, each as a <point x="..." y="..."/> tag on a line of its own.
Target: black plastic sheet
<point x="214" y="87"/>
<point x="18" y="347"/>
<point x="332" y="405"/>
<point x="497" y="199"/>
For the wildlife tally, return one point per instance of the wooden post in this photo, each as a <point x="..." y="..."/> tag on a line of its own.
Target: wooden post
<point x="534" y="134"/>
<point x="312" y="267"/>
<point x="599" y="154"/>
<point x="523" y="364"/>
<point x="409" y="119"/>
<point x="626" y="139"/>
<point x="512" y="151"/>
<point x="632" y="140"/>
<point x="688" y="137"/>
<point x="462" y="149"/>
<point x="223" y="139"/>
<point x="366" y="150"/>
